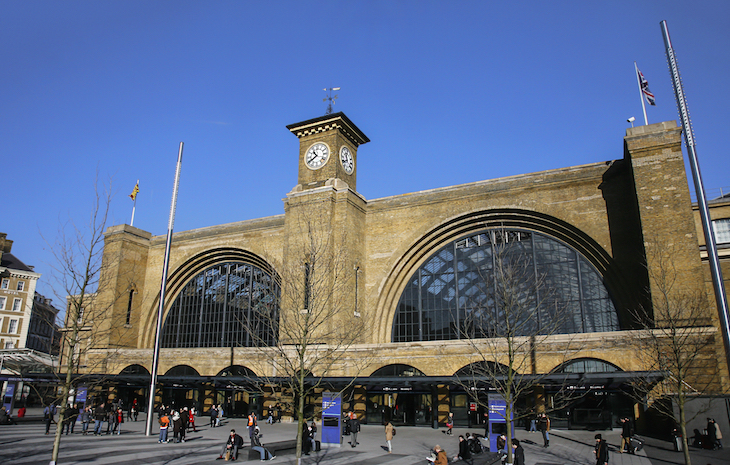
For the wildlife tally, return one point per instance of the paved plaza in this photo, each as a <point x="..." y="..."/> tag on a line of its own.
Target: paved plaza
<point x="26" y="443"/>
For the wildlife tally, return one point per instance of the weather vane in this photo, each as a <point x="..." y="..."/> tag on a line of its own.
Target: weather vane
<point x="330" y="98"/>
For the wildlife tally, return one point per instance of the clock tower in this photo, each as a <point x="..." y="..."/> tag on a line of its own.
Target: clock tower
<point x="324" y="228"/>
<point x="327" y="150"/>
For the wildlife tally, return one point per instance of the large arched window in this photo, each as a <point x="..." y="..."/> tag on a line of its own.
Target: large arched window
<point x="459" y="293"/>
<point x="228" y="305"/>
<point x="586" y="365"/>
<point x="397" y="369"/>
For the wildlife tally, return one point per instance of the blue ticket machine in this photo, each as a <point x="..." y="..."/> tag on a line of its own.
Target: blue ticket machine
<point x="497" y="420"/>
<point x="9" y="397"/>
<point x="331" y="418"/>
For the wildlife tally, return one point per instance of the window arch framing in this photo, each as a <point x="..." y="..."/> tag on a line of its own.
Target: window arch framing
<point x="220" y="305"/>
<point x="458" y="314"/>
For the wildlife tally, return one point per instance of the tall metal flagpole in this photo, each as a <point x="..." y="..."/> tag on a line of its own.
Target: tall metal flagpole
<point x="160" y="310"/>
<point x="715" y="271"/>
<point x="641" y="93"/>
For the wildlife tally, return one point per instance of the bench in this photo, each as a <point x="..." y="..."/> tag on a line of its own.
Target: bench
<point x="279" y="448"/>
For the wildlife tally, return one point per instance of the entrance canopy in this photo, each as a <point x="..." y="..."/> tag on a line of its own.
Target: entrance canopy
<point x="20" y="361"/>
<point x="551" y="382"/>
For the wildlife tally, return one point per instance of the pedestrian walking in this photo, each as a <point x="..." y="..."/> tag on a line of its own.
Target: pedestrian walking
<point x="85" y="418"/>
<point x="48" y="413"/>
<point x="601" y="451"/>
<point x="251" y="424"/>
<point x="389" y="433"/>
<point x="191" y="419"/>
<point x="354" y="424"/>
<point x="543" y="424"/>
<point x="119" y="420"/>
<point x="626" y="433"/>
<point x="518" y="453"/>
<point x="450" y="424"/>
<point x="533" y="421"/>
<point x="213" y="416"/>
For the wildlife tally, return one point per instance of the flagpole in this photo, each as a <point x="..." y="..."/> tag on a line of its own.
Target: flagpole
<point x="134" y="205"/>
<point x="641" y="93"/>
<point x="161" y="307"/>
<point x="694" y="164"/>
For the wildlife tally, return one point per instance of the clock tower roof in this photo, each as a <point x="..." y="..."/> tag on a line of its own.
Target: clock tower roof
<point x="328" y="123"/>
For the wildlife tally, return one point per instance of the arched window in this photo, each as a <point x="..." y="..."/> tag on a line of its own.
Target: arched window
<point x="458" y="294"/>
<point x="135" y="370"/>
<point x="182" y="370"/>
<point x="237" y="371"/>
<point x="481" y="368"/>
<point x="397" y="369"/>
<point x="228" y="305"/>
<point x="586" y="365"/>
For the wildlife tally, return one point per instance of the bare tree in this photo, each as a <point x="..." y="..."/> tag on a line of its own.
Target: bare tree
<point x="316" y="323"/>
<point x="512" y="311"/>
<point x="676" y="338"/>
<point x="79" y="271"/>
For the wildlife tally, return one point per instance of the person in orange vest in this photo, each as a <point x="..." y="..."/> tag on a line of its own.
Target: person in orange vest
<point x="251" y="425"/>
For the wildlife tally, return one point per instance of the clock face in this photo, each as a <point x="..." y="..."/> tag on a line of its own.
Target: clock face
<point x="317" y="155"/>
<point x="348" y="163"/>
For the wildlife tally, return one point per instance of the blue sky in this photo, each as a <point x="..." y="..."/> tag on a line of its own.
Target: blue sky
<point x="448" y="93"/>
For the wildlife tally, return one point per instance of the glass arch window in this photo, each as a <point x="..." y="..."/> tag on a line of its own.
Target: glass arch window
<point x="397" y="369"/>
<point x="231" y="304"/>
<point x="587" y="365"/>
<point x="457" y="293"/>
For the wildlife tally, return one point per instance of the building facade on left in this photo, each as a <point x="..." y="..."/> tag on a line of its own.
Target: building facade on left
<point x="29" y="334"/>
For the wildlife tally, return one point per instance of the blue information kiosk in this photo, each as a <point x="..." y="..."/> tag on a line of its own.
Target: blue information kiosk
<point x="497" y="420"/>
<point x="331" y="418"/>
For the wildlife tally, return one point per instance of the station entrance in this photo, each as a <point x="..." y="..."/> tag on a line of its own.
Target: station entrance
<point x="399" y="408"/>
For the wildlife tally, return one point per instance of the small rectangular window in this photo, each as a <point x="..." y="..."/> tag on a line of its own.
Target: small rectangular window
<point x="2" y="303"/>
<point x="13" y="326"/>
<point x="10" y="345"/>
<point x="21" y="285"/>
<point x="17" y="304"/>
<point x="722" y="230"/>
<point x="5" y="283"/>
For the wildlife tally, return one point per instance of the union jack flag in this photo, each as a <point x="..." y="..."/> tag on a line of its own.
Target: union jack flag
<point x="645" y="88"/>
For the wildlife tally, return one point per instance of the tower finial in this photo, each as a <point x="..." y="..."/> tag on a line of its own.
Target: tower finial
<point x="330" y="98"/>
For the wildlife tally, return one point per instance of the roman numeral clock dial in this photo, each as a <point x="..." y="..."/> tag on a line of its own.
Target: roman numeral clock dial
<point x="348" y="163"/>
<point x="317" y="155"/>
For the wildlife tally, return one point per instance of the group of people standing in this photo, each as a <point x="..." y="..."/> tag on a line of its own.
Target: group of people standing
<point x="180" y="421"/>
